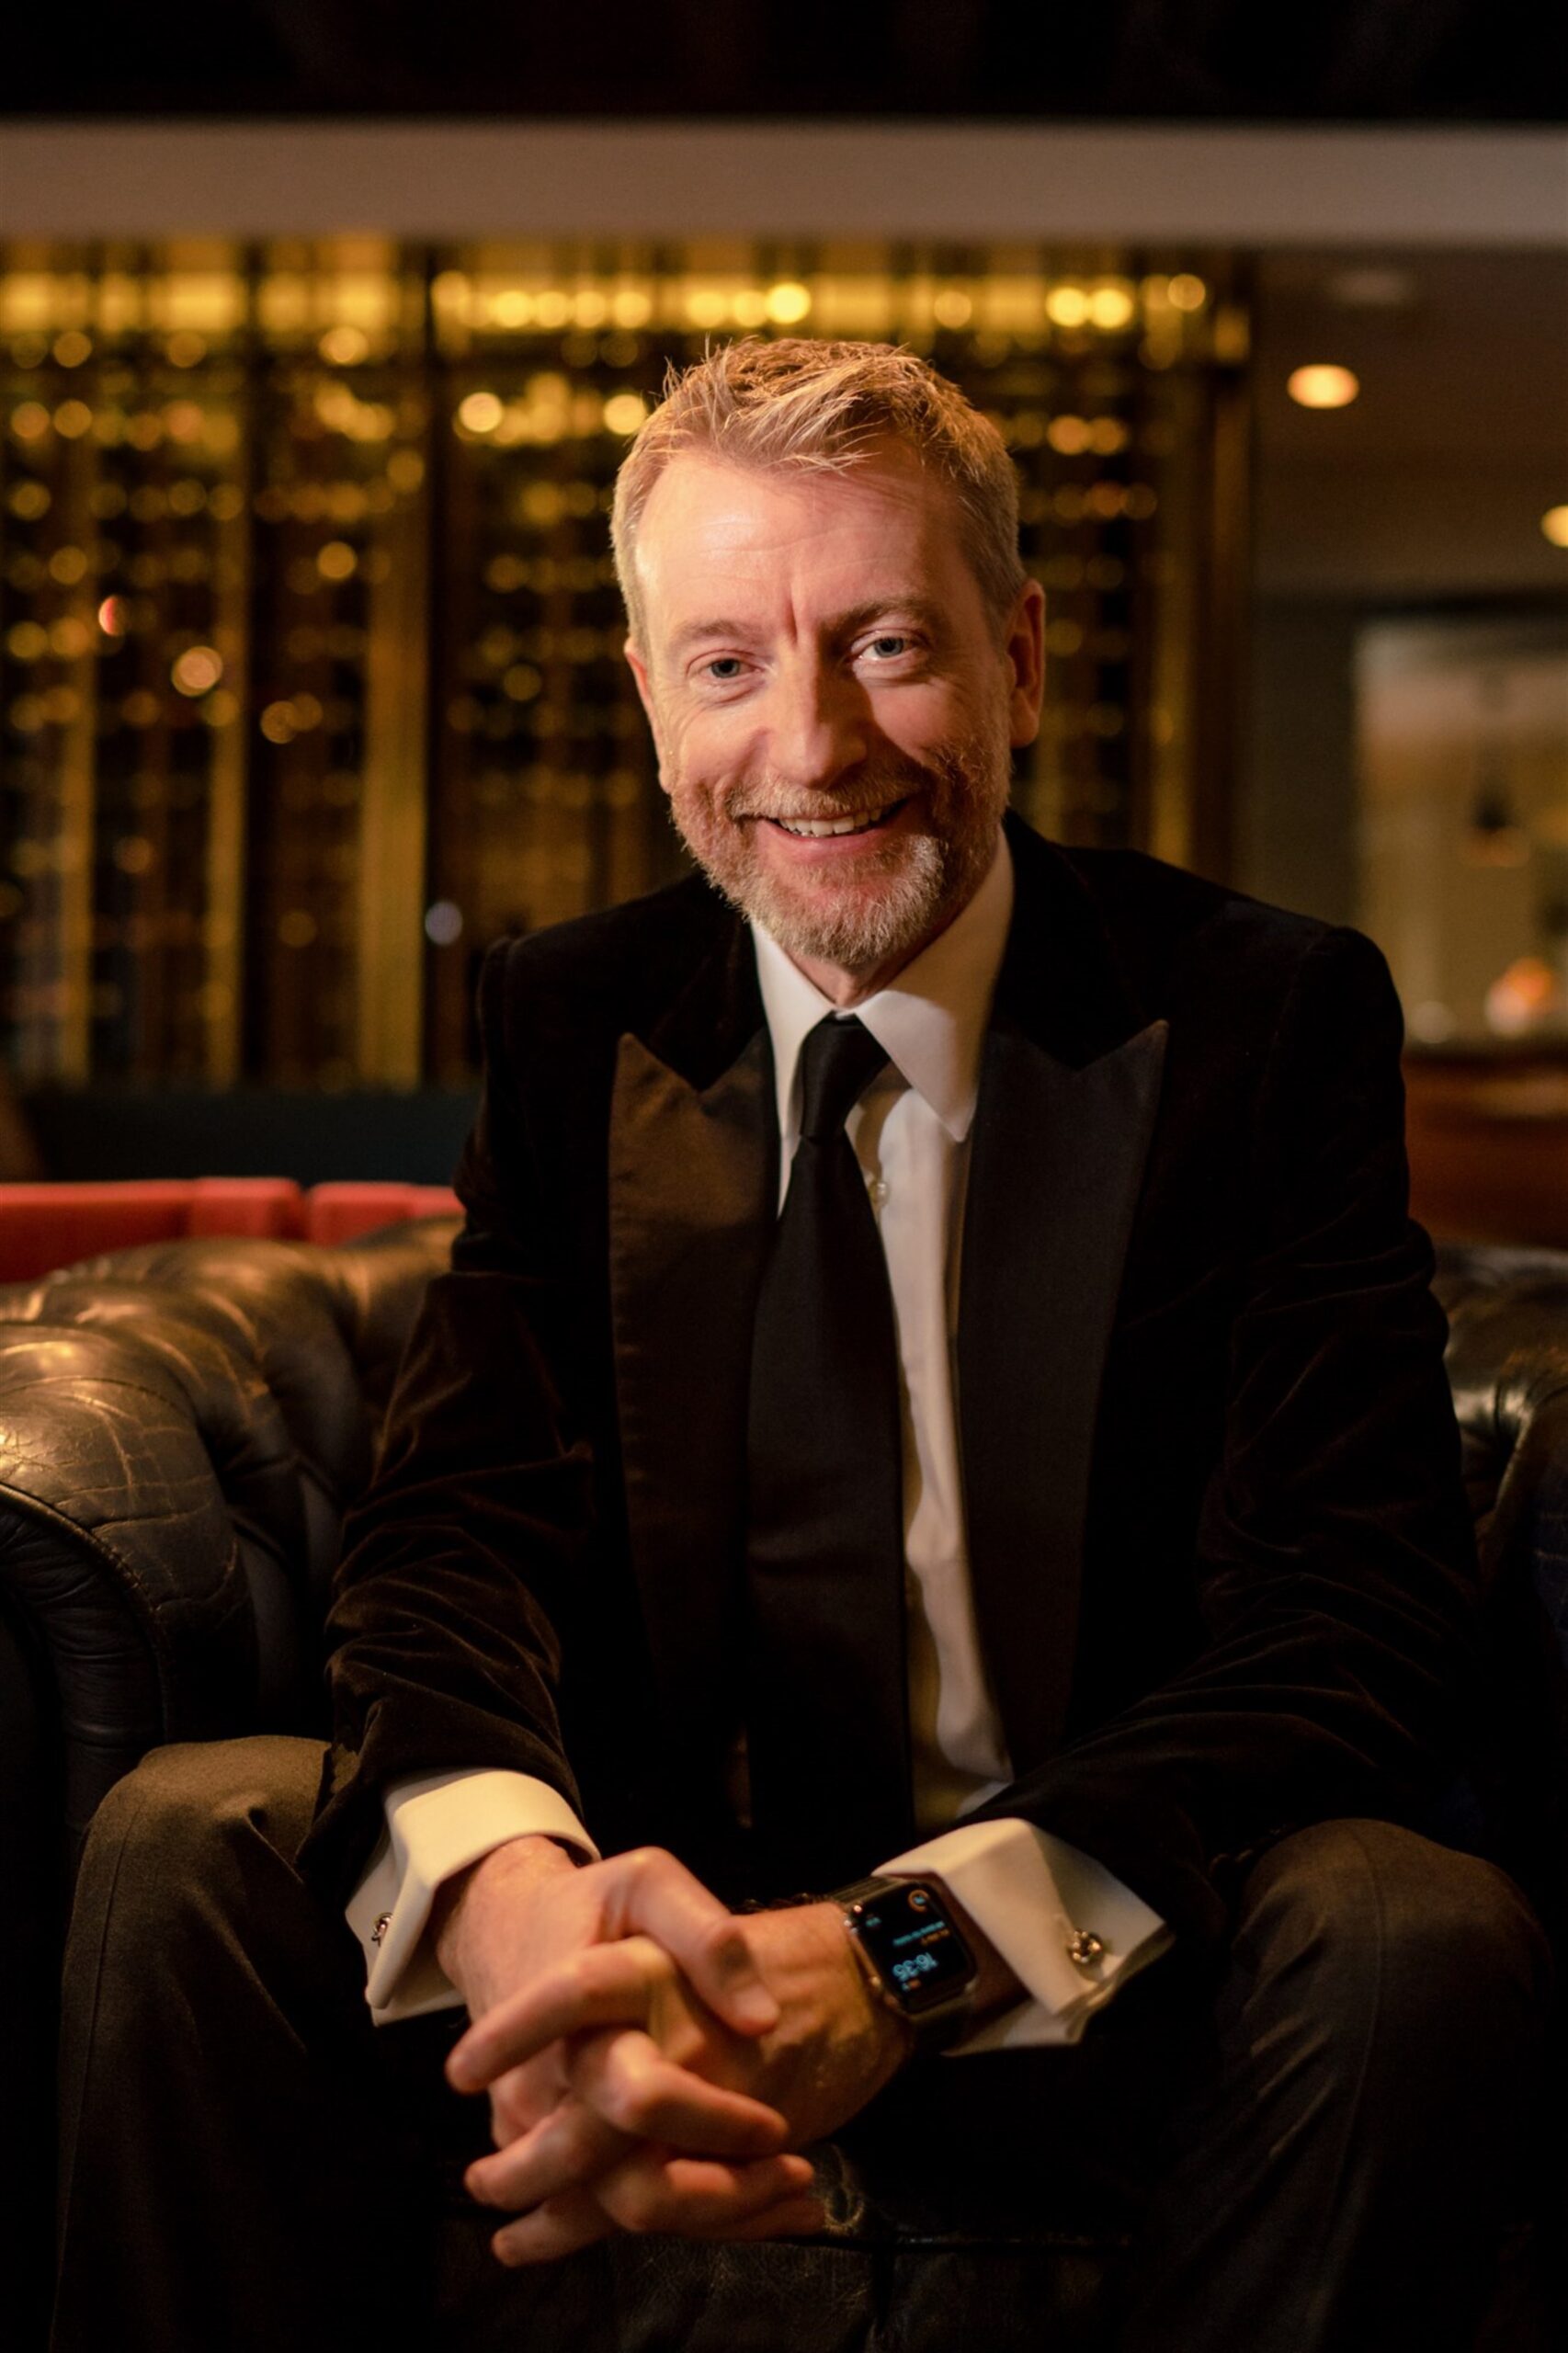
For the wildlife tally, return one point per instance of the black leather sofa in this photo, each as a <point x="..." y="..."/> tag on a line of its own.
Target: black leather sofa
<point x="181" y="1428"/>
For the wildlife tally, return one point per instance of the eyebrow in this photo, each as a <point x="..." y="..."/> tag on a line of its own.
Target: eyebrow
<point x="695" y="633"/>
<point x="922" y="610"/>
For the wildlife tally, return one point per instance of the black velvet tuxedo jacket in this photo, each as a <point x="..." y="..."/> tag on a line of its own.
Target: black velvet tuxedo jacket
<point x="1222" y="1561"/>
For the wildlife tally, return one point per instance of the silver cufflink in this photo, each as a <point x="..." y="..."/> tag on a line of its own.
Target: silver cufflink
<point x="379" y="1931"/>
<point x="1084" y="1949"/>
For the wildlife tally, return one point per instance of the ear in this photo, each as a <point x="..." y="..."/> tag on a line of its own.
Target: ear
<point x="1024" y="648"/>
<point x="639" y="669"/>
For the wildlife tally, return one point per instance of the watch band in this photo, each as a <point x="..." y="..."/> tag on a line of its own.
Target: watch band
<point x="846" y="1897"/>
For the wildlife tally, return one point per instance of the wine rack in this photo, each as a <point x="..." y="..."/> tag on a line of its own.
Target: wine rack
<point x="310" y="679"/>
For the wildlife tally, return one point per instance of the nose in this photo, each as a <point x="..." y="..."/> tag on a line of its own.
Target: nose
<point x="819" y="725"/>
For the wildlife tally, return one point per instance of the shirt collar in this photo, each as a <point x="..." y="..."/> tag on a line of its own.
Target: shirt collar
<point x="931" y="1019"/>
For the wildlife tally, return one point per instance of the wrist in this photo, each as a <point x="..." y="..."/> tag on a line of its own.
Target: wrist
<point x="800" y="1952"/>
<point x="468" y="1905"/>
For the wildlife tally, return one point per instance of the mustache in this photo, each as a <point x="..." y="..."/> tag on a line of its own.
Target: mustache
<point x="866" y="798"/>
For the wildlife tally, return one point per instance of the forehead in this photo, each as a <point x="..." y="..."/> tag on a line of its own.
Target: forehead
<point x="883" y="525"/>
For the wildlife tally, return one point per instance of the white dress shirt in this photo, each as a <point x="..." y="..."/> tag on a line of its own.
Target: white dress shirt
<point x="1029" y="1892"/>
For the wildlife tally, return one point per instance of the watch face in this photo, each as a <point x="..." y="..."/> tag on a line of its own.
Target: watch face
<point x="917" y="1951"/>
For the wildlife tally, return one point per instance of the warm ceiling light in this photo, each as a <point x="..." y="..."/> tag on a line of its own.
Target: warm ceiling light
<point x="1554" y="523"/>
<point x="1323" y="387"/>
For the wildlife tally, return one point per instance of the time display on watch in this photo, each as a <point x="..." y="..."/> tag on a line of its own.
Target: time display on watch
<point x="914" y="1948"/>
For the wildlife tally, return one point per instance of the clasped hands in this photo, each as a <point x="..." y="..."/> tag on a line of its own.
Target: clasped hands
<point x="653" y="2061"/>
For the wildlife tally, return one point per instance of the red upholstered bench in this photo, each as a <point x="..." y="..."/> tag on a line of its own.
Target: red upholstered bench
<point x="337" y="1212"/>
<point x="45" y="1226"/>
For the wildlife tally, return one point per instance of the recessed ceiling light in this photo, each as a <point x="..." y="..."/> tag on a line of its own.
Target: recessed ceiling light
<point x="1322" y="386"/>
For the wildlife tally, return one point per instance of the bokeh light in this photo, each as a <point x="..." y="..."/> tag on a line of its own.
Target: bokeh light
<point x="1067" y="306"/>
<point x="197" y="670"/>
<point x="443" y="923"/>
<point x="343" y="347"/>
<point x="624" y="412"/>
<point x="480" y="413"/>
<point x="1110" y="307"/>
<point x="1322" y="385"/>
<point x="789" y="302"/>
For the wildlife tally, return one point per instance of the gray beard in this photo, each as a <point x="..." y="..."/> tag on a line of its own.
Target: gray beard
<point x="936" y="875"/>
<point x="859" y="938"/>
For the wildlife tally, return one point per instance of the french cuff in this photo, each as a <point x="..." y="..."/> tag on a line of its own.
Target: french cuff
<point x="435" y="1826"/>
<point x="1069" y="1930"/>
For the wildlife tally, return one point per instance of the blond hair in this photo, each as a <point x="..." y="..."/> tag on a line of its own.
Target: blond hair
<point x="798" y="404"/>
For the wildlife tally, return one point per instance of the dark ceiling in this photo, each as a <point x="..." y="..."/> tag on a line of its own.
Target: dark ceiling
<point x="1346" y="60"/>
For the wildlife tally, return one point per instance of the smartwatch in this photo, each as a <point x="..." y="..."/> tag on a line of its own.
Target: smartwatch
<point x="914" y="1962"/>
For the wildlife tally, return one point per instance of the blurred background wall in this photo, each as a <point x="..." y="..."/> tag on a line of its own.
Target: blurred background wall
<point x="310" y="673"/>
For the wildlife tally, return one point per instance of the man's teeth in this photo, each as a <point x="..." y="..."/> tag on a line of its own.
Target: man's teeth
<point x="818" y="829"/>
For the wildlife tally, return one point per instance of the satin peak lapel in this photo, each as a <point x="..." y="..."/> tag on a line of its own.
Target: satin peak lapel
<point x="692" y="1186"/>
<point x="1057" y="1164"/>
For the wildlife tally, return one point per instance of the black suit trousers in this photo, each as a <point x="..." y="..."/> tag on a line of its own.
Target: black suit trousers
<point x="1315" y="2148"/>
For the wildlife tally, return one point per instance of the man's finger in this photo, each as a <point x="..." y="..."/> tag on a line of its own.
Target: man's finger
<point x="794" y="2216"/>
<point x="694" y="2198"/>
<point x="684" y="2197"/>
<point x="611" y="1985"/>
<point x="648" y="1892"/>
<point x="561" y="2228"/>
<point x="602" y="1986"/>
<point x="568" y="2150"/>
<point x="525" y="2096"/>
<point x="577" y="2221"/>
<point x="624" y="2090"/>
<point x="631" y="2083"/>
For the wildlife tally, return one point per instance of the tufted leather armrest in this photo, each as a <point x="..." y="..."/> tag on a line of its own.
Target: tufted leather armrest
<point x="182" y="1425"/>
<point x="1507" y="1362"/>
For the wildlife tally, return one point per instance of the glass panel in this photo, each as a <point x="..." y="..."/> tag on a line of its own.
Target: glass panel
<point x="1463" y="727"/>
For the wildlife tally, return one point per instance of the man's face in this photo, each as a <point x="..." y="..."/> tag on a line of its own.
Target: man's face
<point x="833" y="705"/>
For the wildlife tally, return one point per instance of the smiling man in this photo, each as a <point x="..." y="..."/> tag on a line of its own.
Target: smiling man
<point x="928" y="1496"/>
<point x="833" y="700"/>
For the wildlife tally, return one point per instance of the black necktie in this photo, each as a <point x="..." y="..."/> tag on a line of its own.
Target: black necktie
<point x="827" y="1696"/>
